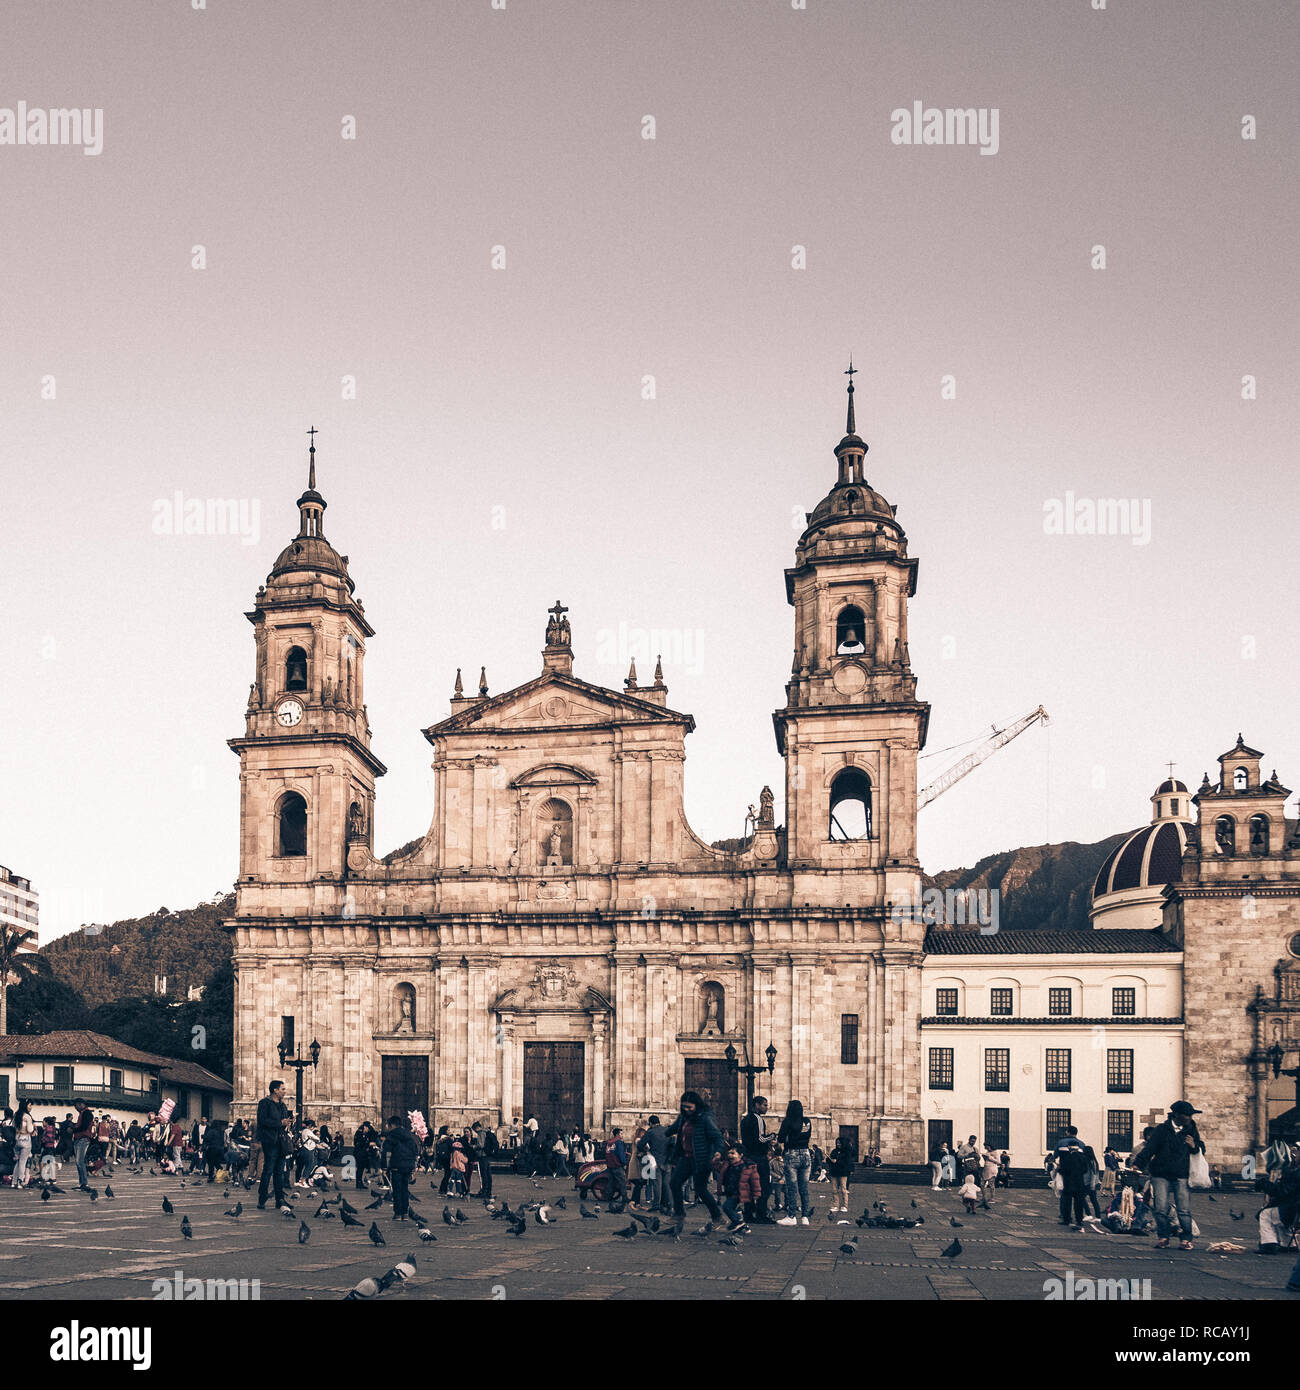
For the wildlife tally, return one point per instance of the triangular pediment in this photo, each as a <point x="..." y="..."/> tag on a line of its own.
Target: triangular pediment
<point x="556" y="701"/>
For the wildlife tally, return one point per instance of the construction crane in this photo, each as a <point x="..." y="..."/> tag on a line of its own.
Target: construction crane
<point x="973" y="759"/>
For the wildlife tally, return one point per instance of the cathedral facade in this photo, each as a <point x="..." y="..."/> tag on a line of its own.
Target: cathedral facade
<point x="561" y="942"/>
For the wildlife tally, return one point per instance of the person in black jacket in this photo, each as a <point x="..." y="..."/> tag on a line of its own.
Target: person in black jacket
<point x="1167" y="1156"/>
<point x="400" y="1154"/>
<point x="755" y="1145"/>
<point x="214" y="1147"/>
<point x="361" y="1142"/>
<point x="272" y="1114"/>
<point x="697" y="1138"/>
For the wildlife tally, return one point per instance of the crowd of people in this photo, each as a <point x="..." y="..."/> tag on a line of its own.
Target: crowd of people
<point x="760" y="1176"/>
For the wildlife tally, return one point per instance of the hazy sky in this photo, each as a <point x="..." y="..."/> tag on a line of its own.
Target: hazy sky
<point x="499" y="451"/>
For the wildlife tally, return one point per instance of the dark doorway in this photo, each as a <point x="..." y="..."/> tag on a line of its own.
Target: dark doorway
<point x="938" y="1132"/>
<point x="554" y="1088"/>
<point x="405" y="1085"/>
<point x="718" y="1084"/>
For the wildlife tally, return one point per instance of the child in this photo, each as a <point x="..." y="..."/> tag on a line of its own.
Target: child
<point x="729" y="1179"/>
<point x="400" y="1154"/>
<point x="969" y="1192"/>
<point x="459" y="1167"/>
<point x="840" y="1165"/>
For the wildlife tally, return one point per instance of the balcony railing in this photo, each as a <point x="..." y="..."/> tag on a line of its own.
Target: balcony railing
<point x="57" y="1093"/>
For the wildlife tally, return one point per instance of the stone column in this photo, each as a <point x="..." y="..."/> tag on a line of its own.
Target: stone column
<point x="801" y="1028"/>
<point x="599" y="1067"/>
<point x="506" y="1025"/>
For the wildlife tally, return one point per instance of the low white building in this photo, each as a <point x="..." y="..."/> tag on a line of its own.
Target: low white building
<point x="51" y="1070"/>
<point x="1024" y="1033"/>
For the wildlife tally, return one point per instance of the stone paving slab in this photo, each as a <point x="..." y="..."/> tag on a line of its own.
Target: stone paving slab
<point x="70" y="1248"/>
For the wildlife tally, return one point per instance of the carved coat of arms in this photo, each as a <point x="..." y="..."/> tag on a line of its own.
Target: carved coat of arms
<point x="553" y="981"/>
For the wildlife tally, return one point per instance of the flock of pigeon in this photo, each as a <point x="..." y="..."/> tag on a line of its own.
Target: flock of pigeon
<point x="337" y="1207"/>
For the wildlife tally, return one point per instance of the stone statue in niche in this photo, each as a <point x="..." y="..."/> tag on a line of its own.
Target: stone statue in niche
<point x="766" y="815"/>
<point x="356" y="822"/>
<point x="405" y="1012"/>
<point x="712" y="1024"/>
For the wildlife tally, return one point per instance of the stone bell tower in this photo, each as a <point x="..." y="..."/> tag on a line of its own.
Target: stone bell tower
<point x="852" y="726"/>
<point x="306" y="770"/>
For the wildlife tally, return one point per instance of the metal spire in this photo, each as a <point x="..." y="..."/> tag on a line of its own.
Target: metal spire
<point x="852" y="429"/>
<point x="311" y="472"/>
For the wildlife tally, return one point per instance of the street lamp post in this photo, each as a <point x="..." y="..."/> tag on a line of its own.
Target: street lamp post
<point x="750" y="1069"/>
<point x="299" y="1064"/>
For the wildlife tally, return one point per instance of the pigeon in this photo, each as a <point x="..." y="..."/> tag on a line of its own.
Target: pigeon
<point x="447" y="1218"/>
<point x="585" y="1214"/>
<point x="55" y="1188"/>
<point x="850" y="1247"/>
<point x="367" y="1288"/>
<point x="562" y="1203"/>
<point x="168" y="1209"/>
<point x="460" y="1217"/>
<point x="348" y="1219"/>
<point x="913" y="1203"/>
<point x="376" y="1235"/>
<point x="953" y="1250"/>
<point x="109" y="1193"/>
<point x="1236" y="1215"/>
<point x="186" y="1229"/>
<point x="236" y="1210"/>
<point x="426" y="1234"/>
<point x="378" y="1202"/>
<point x="287" y="1212"/>
<point x="517" y="1228"/>
<point x="651" y="1223"/>
<point x="734" y="1242"/>
<point x="399" y="1273"/>
<point x="304" y="1233"/>
<point x="93" y="1193"/>
<point x="321" y="1212"/>
<point x="152" y="1174"/>
<point x="45" y="1195"/>
<point x="543" y="1215"/>
<point x="347" y="1207"/>
<point x="1208" y="1198"/>
<point x="628" y="1232"/>
<point x="952" y="1221"/>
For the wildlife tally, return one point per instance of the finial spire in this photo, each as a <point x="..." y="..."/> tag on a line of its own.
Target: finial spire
<point x="851" y="373"/>
<point x="311" y="471"/>
<point x="482" y="680"/>
<point x="459" y="693"/>
<point x="630" y="683"/>
<point x="659" y="671"/>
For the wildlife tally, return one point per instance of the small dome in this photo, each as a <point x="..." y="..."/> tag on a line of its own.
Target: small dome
<point x="1170" y="784"/>
<point x="1149" y="858"/>
<point x="851" y="502"/>
<point x="313" y="553"/>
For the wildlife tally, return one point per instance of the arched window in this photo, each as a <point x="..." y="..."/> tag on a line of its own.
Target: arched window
<point x="1225" y="835"/>
<point x="1259" y="834"/>
<point x="295" y="669"/>
<point x="851" y="806"/>
<point x="292" y="825"/>
<point x="555" y="832"/>
<point x="850" y="631"/>
<point x="1241" y="780"/>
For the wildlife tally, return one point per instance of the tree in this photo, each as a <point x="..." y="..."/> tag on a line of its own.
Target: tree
<point x="18" y="962"/>
<point x="43" y="1004"/>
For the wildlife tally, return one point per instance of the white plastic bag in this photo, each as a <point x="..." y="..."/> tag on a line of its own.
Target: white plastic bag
<point x="1198" y="1172"/>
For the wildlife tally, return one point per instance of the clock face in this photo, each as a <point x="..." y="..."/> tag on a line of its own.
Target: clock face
<point x="288" y="713"/>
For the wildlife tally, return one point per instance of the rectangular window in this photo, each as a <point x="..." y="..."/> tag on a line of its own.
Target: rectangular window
<point x="114" y="1079"/>
<point x="182" y="1110"/>
<point x="1058" y="1121"/>
<point x="1000" y="1003"/>
<point x="997" y="1127"/>
<point x="4" y="1090"/>
<point x="1119" y="1130"/>
<point x="945" y="1002"/>
<point x="849" y="1040"/>
<point x="1123" y="1002"/>
<point x="1058" y="1069"/>
<point x="997" y="1068"/>
<point x="1058" y="1002"/>
<point x="1119" y="1070"/>
<point x="63" y="1083"/>
<point x="286" y="1032"/>
<point x="941" y="1069"/>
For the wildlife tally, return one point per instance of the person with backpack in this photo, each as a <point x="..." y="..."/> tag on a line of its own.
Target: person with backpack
<point x="1167" y="1157"/>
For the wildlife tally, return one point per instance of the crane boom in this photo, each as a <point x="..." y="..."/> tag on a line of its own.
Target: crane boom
<point x="973" y="759"/>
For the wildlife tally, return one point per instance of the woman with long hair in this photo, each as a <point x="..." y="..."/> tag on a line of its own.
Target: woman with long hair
<point x="24" y="1133"/>
<point x="696" y="1139"/>
<point x="795" y="1138"/>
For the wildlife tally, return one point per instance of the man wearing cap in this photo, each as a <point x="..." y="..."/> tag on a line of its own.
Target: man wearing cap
<point x="1167" y="1157"/>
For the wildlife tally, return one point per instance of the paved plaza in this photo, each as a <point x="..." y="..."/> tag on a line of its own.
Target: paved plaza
<point x="70" y="1248"/>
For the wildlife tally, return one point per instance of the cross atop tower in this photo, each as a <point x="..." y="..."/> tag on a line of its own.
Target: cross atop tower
<point x="559" y="610"/>
<point x="851" y="373"/>
<point x="311" y="472"/>
<point x="1170" y="766"/>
